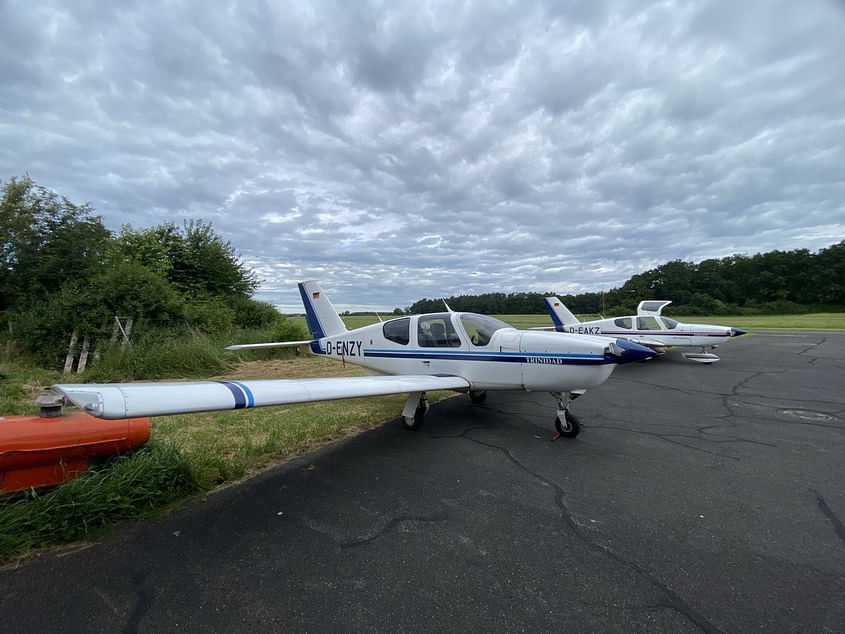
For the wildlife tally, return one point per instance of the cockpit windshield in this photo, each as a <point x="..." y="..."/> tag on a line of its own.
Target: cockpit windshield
<point x="481" y="327"/>
<point x="670" y="324"/>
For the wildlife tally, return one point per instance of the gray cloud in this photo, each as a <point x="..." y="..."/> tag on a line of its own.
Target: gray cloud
<point x="434" y="148"/>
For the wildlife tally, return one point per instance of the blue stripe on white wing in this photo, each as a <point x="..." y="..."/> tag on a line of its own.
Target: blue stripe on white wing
<point x="243" y="395"/>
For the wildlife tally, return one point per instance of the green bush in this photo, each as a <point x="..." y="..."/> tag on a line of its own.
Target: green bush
<point x="250" y="313"/>
<point x="209" y="315"/>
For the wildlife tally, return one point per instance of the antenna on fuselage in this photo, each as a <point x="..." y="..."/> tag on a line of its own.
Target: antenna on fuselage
<point x="447" y="306"/>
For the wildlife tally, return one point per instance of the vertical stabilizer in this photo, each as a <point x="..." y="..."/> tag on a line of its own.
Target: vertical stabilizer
<point x="320" y="315"/>
<point x="560" y="314"/>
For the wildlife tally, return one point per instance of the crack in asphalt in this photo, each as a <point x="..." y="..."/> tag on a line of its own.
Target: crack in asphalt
<point x="672" y="439"/>
<point x="675" y="601"/>
<point x="385" y="530"/>
<point x="824" y="508"/>
<point x="145" y="600"/>
<point x="393" y="523"/>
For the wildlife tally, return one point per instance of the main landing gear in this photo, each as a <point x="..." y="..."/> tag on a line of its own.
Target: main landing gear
<point x="478" y="397"/>
<point x="415" y="409"/>
<point x="417" y="405"/>
<point x="565" y="423"/>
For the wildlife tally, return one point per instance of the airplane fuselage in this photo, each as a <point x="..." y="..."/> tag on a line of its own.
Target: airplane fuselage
<point x="655" y="331"/>
<point x="487" y="353"/>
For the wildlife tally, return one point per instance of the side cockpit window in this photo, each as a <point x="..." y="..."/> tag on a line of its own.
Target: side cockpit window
<point x="398" y="330"/>
<point x="623" y="322"/>
<point x="436" y="331"/>
<point x="670" y="324"/>
<point x="480" y="328"/>
<point x="647" y="323"/>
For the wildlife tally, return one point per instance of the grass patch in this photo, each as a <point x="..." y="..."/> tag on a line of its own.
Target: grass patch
<point x="20" y="385"/>
<point x="123" y="487"/>
<point x="813" y="321"/>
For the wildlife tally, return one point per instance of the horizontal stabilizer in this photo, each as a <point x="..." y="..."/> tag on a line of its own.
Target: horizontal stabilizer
<point x="130" y="400"/>
<point x="275" y="344"/>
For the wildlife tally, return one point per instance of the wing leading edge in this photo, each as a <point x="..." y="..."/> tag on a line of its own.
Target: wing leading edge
<point x="130" y="400"/>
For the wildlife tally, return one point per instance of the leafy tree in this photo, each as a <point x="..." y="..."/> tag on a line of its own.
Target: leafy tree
<point x="250" y="313"/>
<point x="201" y="262"/>
<point x="197" y="261"/>
<point x="45" y="241"/>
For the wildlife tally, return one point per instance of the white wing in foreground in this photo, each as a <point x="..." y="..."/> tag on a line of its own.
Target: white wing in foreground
<point x="128" y="400"/>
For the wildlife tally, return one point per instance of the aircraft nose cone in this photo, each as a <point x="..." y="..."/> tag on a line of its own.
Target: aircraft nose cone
<point x="736" y="332"/>
<point x="633" y="352"/>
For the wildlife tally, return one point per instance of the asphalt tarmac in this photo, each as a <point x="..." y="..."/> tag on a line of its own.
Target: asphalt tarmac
<point x="697" y="498"/>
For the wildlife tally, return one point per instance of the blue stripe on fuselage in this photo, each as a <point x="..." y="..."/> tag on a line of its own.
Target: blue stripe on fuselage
<point x="661" y="333"/>
<point x="500" y="357"/>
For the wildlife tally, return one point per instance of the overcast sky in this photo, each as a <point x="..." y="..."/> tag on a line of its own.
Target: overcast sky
<point x="400" y="150"/>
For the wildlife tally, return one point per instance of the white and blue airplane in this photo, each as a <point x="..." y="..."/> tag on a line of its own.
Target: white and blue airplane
<point x="466" y="352"/>
<point x="648" y="328"/>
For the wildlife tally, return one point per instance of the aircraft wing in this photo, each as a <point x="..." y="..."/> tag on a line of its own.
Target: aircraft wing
<point x="129" y="400"/>
<point x="644" y="341"/>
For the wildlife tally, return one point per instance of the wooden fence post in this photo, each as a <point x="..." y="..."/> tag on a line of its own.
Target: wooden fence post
<point x="83" y="356"/>
<point x="69" y="358"/>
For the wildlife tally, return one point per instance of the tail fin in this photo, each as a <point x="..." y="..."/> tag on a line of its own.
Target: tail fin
<point x="320" y="315"/>
<point x="560" y="313"/>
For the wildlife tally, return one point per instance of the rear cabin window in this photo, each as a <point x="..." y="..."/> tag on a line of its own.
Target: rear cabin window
<point x="436" y="331"/>
<point x="647" y="323"/>
<point x="623" y="322"/>
<point x="398" y="330"/>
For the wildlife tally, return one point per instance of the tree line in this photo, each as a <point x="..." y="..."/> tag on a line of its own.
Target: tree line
<point x="777" y="282"/>
<point x="62" y="270"/>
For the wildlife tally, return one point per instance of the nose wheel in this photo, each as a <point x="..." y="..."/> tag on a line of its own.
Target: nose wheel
<point x="567" y="425"/>
<point x="565" y="422"/>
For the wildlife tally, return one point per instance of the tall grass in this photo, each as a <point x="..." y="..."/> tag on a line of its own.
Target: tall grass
<point x="160" y="354"/>
<point x="153" y="358"/>
<point x="123" y="487"/>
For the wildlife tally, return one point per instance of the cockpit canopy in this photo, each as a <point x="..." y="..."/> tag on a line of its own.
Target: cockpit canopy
<point x="437" y="330"/>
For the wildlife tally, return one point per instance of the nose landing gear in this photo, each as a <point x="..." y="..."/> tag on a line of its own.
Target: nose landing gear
<point x="565" y="422"/>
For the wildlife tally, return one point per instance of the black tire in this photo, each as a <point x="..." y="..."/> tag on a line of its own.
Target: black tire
<point x="415" y="423"/>
<point x="569" y="430"/>
<point x="478" y="397"/>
